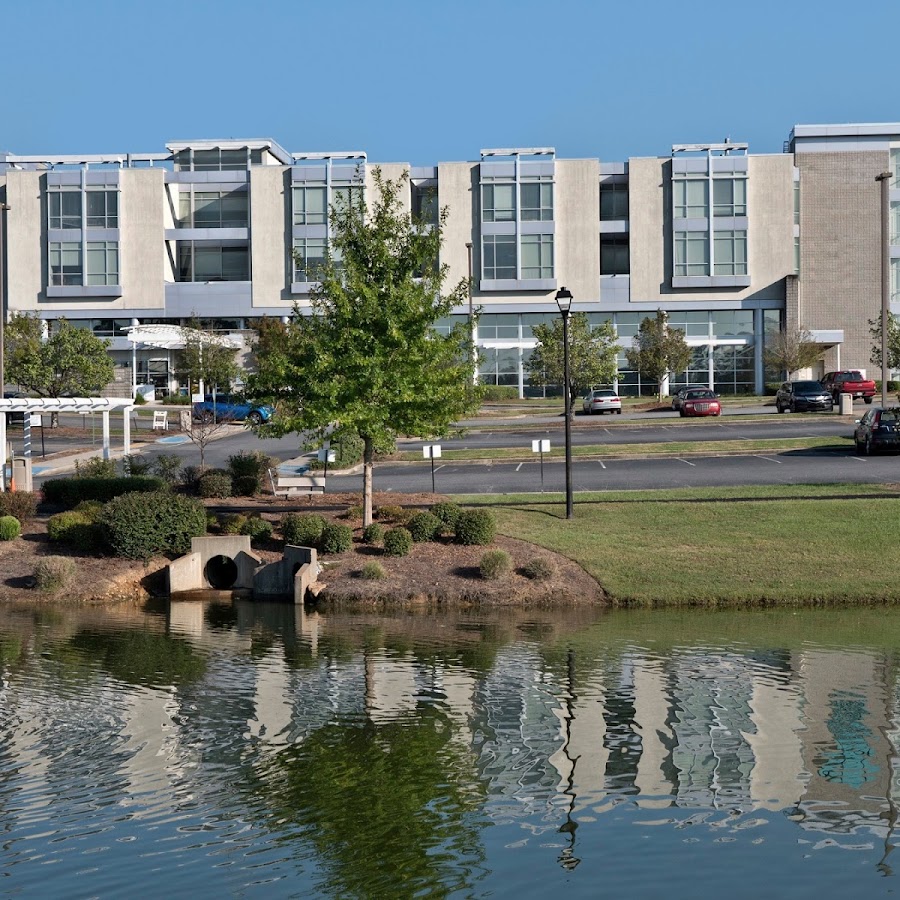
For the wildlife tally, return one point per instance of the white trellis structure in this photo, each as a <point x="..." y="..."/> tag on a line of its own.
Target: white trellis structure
<point x="30" y="406"/>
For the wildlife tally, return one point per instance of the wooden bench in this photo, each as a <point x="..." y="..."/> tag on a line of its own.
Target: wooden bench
<point x="293" y="485"/>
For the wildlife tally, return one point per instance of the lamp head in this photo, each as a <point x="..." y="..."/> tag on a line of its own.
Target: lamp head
<point x="564" y="300"/>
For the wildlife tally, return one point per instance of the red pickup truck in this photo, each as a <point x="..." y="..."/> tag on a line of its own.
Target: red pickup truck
<point x="849" y="381"/>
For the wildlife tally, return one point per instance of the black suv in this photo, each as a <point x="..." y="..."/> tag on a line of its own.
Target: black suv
<point x="803" y="396"/>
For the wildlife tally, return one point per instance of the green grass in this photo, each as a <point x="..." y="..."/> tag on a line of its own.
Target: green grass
<point x="794" y="544"/>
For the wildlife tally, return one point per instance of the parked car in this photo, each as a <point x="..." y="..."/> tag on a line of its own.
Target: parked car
<point x="802" y="396"/>
<point x="878" y="429"/>
<point x="700" y="403"/>
<point x="601" y="401"/>
<point x="849" y="381"/>
<point x="682" y="389"/>
<point x="231" y="408"/>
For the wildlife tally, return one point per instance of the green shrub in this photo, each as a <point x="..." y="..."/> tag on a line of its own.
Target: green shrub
<point x="246" y="485"/>
<point x="69" y="492"/>
<point x="397" y="542"/>
<point x="190" y="476"/>
<point x="215" y="485"/>
<point x="140" y="400"/>
<point x="354" y="512"/>
<point x="60" y="526"/>
<point x="53" y="573"/>
<point x="22" y="505"/>
<point x="302" y="529"/>
<point x="448" y="513"/>
<point x="499" y="392"/>
<point x="538" y="569"/>
<point x="138" y="526"/>
<point x="91" y="509"/>
<point x="336" y="538"/>
<point x="475" y="526"/>
<point x="10" y="528"/>
<point x="133" y="464"/>
<point x="232" y="523"/>
<point x="389" y="512"/>
<point x="373" y="571"/>
<point x="78" y="527"/>
<point x="348" y="451"/>
<point x="95" y="467"/>
<point x="495" y="564"/>
<point x="248" y="468"/>
<point x="423" y="526"/>
<point x="373" y="534"/>
<point x="167" y="467"/>
<point x="259" y="529"/>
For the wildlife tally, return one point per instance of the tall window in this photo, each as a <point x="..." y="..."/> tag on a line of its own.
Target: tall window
<point x="614" y="254"/>
<point x="102" y="208"/>
<point x="309" y="258"/>
<point x="102" y="262"/>
<point x="895" y="222"/>
<point x="895" y="168"/>
<point x="310" y="207"/>
<point x="691" y="198"/>
<point x="64" y="207"/>
<point x="498" y="203"/>
<point x="895" y="281"/>
<point x="691" y="253"/>
<point x="213" y="209"/>
<point x="730" y="253"/>
<point x="537" y="256"/>
<point x="200" y="262"/>
<point x="346" y="196"/>
<point x="730" y="197"/>
<point x="536" y="201"/>
<point x="613" y="201"/>
<point x="65" y="263"/>
<point x="499" y="255"/>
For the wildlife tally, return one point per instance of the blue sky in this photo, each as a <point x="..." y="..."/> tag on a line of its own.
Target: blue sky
<point x="425" y="82"/>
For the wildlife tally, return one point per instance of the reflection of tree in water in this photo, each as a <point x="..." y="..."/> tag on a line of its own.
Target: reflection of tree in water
<point x="851" y="761"/>
<point x="416" y="831"/>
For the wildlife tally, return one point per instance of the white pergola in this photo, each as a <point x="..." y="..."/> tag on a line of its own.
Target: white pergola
<point x="83" y="405"/>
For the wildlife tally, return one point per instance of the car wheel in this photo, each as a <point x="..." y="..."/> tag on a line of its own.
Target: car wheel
<point x="859" y="446"/>
<point x="793" y="407"/>
<point x="618" y="412"/>
<point x="868" y="448"/>
<point x="254" y="417"/>
<point x="681" y="413"/>
<point x="779" y="408"/>
<point x="867" y="399"/>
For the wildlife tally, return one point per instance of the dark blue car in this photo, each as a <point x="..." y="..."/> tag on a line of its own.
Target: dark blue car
<point x="231" y="408"/>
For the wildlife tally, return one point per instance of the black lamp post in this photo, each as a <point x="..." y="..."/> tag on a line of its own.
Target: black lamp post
<point x="885" y="179"/>
<point x="564" y="302"/>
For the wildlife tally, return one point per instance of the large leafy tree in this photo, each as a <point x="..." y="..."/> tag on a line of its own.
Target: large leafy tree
<point x="70" y="362"/>
<point x="893" y="341"/>
<point x="206" y="358"/>
<point x="790" y="350"/>
<point x="368" y="359"/>
<point x="592" y="355"/>
<point x="658" y="349"/>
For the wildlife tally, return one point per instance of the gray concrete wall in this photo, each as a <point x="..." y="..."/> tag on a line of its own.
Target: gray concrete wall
<point x="270" y="237"/>
<point x="26" y="255"/>
<point x="143" y="217"/>
<point x="577" y="242"/>
<point x="458" y="190"/>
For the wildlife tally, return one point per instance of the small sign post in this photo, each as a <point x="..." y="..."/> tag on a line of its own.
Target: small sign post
<point x="37" y="421"/>
<point x="542" y="447"/>
<point x="432" y="452"/>
<point x="326" y="455"/>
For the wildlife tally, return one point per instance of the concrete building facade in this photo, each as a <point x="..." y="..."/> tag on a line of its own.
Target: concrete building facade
<point x="730" y="244"/>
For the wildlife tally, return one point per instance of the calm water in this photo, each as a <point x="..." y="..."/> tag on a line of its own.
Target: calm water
<point x="233" y="750"/>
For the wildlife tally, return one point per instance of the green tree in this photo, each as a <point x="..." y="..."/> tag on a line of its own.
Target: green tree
<point x="658" y="349"/>
<point x="206" y="358"/>
<point x="893" y="341"/>
<point x="70" y="362"/>
<point x="789" y="350"/>
<point x="368" y="359"/>
<point x="593" y="355"/>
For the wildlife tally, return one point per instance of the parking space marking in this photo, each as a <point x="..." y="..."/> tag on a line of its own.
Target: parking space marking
<point x="519" y="466"/>
<point x="685" y="461"/>
<point x="769" y="458"/>
<point x="602" y="464"/>
<point x="859" y="458"/>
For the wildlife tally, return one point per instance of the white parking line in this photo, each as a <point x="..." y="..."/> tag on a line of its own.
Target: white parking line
<point x="519" y="466"/>
<point x="685" y="461"/>
<point x="769" y="458"/>
<point x="602" y="464"/>
<point x="859" y="458"/>
<point x="441" y="466"/>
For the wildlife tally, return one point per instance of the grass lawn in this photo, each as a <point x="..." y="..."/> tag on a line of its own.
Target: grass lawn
<point x="721" y="546"/>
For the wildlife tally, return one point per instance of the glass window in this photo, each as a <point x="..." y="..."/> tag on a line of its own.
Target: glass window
<point x="796" y="202"/>
<point x="895" y="168"/>
<point x="309" y="205"/>
<point x="215" y="209"/>
<point x="537" y="256"/>
<point x="498" y="326"/>
<point x="529" y="320"/>
<point x="895" y="280"/>
<point x="627" y="325"/>
<point x="732" y="323"/>
<point x="425" y="204"/>
<point x="730" y="197"/>
<point x="64" y="208"/>
<point x="895" y="222"/>
<point x="498" y="203"/>
<point x="110" y="327"/>
<point x="65" y="263"/>
<point x="614" y="254"/>
<point x="199" y="262"/>
<point x="346" y="197"/>
<point x="102" y="208"/>
<point x="537" y="201"/>
<point x="309" y="258"/>
<point x="691" y="198"/>
<point x="693" y="324"/>
<point x="499" y="256"/>
<point x="730" y="249"/>
<point x="102" y="262"/>
<point x="691" y="253"/>
<point x="613" y="201"/>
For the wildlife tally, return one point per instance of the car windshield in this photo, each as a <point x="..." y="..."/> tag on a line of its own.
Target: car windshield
<point x="807" y="386"/>
<point x="598" y="394"/>
<point x="701" y="395"/>
<point x="890" y="416"/>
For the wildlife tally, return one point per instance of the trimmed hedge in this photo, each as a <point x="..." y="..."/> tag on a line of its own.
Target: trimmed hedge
<point x="495" y="564"/>
<point x="302" y="529"/>
<point x="259" y="529"/>
<point x="336" y="538"/>
<point x="397" y="542"/>
<point x="10" y="528"/>
<point x="475" y="526"/>
<point x="538" y="569"/>
<point x="69" y="492"/>
<point x="232" y="523"/>
<point x="373" y="571"/>
<point x="53" y="573"/>
<point x="423" y="526"/>
<point x="373" y="534"/>
<point x="138" y="526"/>
<point x="215" y="486"/>
<point x="77" y="528"/>
<point x="448" y="513"/>
<point x="21" y="505"/>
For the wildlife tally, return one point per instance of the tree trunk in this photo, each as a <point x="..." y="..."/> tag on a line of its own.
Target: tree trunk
<point x="368" y="465"/>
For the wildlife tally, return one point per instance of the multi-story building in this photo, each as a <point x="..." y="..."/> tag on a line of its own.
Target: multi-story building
<point x="730" y="244"/>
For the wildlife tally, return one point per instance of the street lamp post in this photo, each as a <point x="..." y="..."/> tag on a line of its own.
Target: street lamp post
<point x="564" y="302"/>
<point x="3" y="209"/>
<point x="885" y="179"/>
<point x="471" y="318"/>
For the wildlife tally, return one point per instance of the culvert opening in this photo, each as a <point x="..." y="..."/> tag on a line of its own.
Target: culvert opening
<point x="221" y="572"/>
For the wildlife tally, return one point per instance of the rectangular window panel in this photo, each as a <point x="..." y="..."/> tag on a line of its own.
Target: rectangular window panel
<point x="425" y="200"/>
<point x="309" y="258"/>
<point x="215" y="209"/>
<point x="499" y="256"/>
<point x="691" y="198"/>
<point x="102" y="208"/>
<point x="730" y="197"/>
<point x="310" y="207"/>
<point x="498" y="203"/>
<point x="730" y="253"/>
<point x="895" y="280"/>
<point x="895" y="222"/>
<point x="614" y="254"/>
<point x="197" y="262"/>
<point x="895" y="168"/>
<point x="529" y="320"/>
<point x="498" y="326"/>
<point x="537" y="201"/>
<point x="346" y="197"/>
<point x="102" y="262"/>
<point x="732" y="323"/>
<point x="537" y="256"/>
<point x="796" y="202"/>
<point x="64" y="208"/>
<point x="184" y="209"/>
<point x="691" y="253"/>
<point x="65" y="264"/>
<point x="613" y="202"/>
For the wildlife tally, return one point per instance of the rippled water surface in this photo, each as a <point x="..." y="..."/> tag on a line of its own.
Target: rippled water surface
<point x="240" y="750"/>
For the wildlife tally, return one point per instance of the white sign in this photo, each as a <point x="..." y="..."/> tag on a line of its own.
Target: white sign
<point x="322" y="454"/>
<point x="196" y="398"/>
<point x="35" y="421"/>
<point x="431" y="451"/>
<point x="540" y="446"/>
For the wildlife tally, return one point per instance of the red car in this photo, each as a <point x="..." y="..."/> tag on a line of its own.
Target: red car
<point x="700" y="403"/>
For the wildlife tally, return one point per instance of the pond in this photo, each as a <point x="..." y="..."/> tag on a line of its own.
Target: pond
<point x="232" y="749"/>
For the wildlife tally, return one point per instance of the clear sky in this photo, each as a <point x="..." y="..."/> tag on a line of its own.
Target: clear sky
<point x="424" y="82"/>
